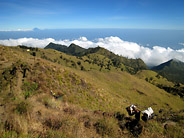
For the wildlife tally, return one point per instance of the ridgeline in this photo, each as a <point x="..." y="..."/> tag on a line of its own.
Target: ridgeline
<point x="107" y="59"/>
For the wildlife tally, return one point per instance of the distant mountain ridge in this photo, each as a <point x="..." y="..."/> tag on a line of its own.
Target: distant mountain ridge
<point x="132" y="65"/>
<point x="36" y="29"/>
<point x="173" y="70"/>
<point x="73" y="49"/>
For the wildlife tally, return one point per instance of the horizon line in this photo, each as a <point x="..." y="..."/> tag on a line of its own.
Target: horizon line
<point x="38" y="29"/>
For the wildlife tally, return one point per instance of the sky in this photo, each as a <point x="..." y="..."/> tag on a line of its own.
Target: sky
<point x="59" y="14"/>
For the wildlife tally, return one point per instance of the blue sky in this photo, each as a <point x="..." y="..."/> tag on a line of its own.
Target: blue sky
<point x="58" y="14"/>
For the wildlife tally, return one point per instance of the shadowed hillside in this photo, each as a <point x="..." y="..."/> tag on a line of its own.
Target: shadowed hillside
<point x="87" y="100"/>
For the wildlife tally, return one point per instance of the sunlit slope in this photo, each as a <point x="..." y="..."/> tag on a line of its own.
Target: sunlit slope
<point x="85" y="100"/>
<point x="109" y="90"/>
<point x="126" y="89"/>
<point x="153" y="77"/>
<point x="161" y="82"/>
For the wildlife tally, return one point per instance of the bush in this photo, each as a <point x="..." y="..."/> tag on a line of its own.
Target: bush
<point x="49" y="102"/>
<point x="53" y="123"/>
<point x="22" y="108"/>
<point x="82" y="68"/>
<point x="29" y="88"/>
<point x="16" y="123"/>
<point x="79" y="63"/>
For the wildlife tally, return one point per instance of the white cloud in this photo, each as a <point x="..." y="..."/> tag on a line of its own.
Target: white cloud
<point x="17" y="30"/>
<point x="181" y="44"/>
<point x="33" y="42"/>
<point x="153" y="56"/>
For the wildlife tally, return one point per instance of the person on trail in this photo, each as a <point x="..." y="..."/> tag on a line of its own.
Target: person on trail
<point x="134" y="125"/>
<point x="132" y="110"/>
<point x="147" y="114"/>
<point x="53" y="94"/>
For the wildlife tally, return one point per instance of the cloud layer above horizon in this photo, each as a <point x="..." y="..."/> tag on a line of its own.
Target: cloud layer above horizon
<point x="151" y="57"/>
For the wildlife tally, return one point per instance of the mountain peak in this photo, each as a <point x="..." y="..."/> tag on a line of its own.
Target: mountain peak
<point x="175" y="60"/>
<point x="74" y="46"/>
<point x="167" y="63"/>
<point x="75" y="50"/>
<point x="172" y="70"/>
<point x="56" y="47"/>
<point x="36" y="29"/>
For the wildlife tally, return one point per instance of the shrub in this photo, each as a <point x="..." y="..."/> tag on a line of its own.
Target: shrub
<point x="29" y="88"/>
<point x="50" y="102"/>
<point x="53" y="123"/>
<point x="8" y="125"/>
<point x="82" y="68"/>
<point x="22" y="108"/>
<point x="78" y="62"/>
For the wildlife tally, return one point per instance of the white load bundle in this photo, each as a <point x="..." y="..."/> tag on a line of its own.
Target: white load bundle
<point x="149" y="112"/>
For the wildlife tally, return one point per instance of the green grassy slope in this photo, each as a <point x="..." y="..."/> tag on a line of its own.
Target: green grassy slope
<point x="153" y="78"/>
<point x="88" y="98"/>
<point x="161" y="82"/>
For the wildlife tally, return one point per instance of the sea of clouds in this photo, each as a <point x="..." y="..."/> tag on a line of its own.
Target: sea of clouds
<point x="151" y="56"/>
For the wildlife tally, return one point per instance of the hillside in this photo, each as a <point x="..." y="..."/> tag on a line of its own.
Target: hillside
<point x="154" y="78"/>
<point x="87" y="102"/>
<point x="161" y="82"/>
<point x="130" y="65"/>
<point x="173" y="70"/>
